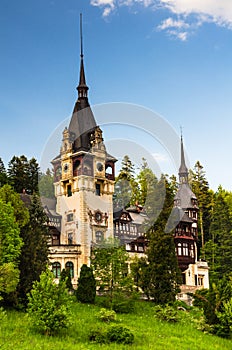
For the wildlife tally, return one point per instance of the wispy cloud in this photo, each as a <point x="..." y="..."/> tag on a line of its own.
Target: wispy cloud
<point x="159" y="157"/>
<point x="185" y="16"/>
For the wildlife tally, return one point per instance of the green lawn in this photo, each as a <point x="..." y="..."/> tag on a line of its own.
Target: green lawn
<point x="16" y="332"/>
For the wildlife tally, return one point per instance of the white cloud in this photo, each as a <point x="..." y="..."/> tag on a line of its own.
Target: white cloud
<point x="159" y="157"/>
<point x="185" y="14"/>
<point x="108" y="6"/>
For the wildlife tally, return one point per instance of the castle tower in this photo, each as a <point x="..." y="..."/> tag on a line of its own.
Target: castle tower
<point x="84" y="185"/>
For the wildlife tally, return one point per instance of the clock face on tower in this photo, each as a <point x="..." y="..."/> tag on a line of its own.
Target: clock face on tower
<point x="66" y="166"/>
<point x="99" y="166"/>
<point x="98" y="216"/>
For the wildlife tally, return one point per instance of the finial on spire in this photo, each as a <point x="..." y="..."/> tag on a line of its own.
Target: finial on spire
<point x="82" y="87"/>
<point x="81" y="35"/>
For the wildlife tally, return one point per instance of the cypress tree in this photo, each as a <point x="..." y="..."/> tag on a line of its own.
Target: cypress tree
<point x="65" y="276"/>
<point x="86" y="290"/>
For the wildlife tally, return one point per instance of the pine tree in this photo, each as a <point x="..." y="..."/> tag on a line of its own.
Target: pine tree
<point x="3" y="174"/>
<point x="86" y="290"/>
<point x="33" y="176"/>
<point x="147" y="182"/>
<point x="46" y="186"/>
<point x="23" y="174"/>
<point x="34" y="254"/>
<point x="126" y="188"/>
<point x="201" y="189"/>
<point x="219" y="248"/>
<point x="163" y="267"/>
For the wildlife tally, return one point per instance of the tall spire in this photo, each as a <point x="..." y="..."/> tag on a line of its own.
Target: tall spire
<point x="82" y="87"/>
<point x="183" y="170"/>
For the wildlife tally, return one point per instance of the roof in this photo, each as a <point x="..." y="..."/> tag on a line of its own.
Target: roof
<point x="185" y="195"/>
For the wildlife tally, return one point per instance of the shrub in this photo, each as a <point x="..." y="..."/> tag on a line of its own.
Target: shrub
<point x="86" y="290"/>
<point x="97" y="336"/>
<point x="123" y="303"/>
<point x="107" y="315"/>
<point x="65" y="276"/>
<point x="166" y="313"/>
<point x="48" y="306"/>
<point x="120" y="335"/>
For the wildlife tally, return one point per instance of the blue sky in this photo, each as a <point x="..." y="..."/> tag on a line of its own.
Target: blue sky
<point x="171" y="56"/>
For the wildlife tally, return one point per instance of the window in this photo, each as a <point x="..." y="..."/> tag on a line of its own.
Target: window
<point x="70" y="217"/>
<point x="99" y="236"/>
<point x="69" y="190"/>
<point x="56" y="269"/>
<point x="98" y="189"/>
<point x="179" y="250"/>
<point x="200" y="280"/>
<point x="185" y="249"/>
<point x="69" y="266"/>
<point x="56" y="239"/>
<point x="70" y="238"/>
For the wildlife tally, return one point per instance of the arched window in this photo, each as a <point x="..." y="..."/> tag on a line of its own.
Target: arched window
<point x="69" y="266"/>
<point x="56" y="269"/>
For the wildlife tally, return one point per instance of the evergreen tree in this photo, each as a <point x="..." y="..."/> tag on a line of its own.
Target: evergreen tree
<point x="219" y="248"/>
<point x="147" y="182"/>
<point x="86" y="290"/>
<point x="201" y="189"/>
<point x="3" y="174"/>
<point x="46" y="186"/>
<point x="65" y="277"/>
<point x="23" y="174"/>
<point x="163" y="267"/>
<point x="34" y="254"/>
<point x="10" y="248"/>
<point x="126" y="188"/>
<point x="33" y="176"/>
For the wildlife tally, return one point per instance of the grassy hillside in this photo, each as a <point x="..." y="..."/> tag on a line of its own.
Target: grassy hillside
<point x="16" y="332"/>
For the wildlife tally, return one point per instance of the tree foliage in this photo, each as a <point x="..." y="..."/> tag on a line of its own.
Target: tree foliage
<point x="163" y="270"/>
<point x="10" y="247"/>
<point x="46" y="186"/>
<point x="23" y="174"/>
<point x="21" y="214"/>
<point x="218" y="249"/>
<point x="34" y="253"/>
<point x="126" y="187"/>
<point x="3" y="174"/>
<point x="86" y="290"/>
<point x="110" y="266"/>
<point x="49" y="305"/>
<point x="200" y="187"/>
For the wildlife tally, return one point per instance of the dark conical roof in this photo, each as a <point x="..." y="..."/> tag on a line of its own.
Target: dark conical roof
<point x="82" y="121"/>
<point x="183" y="170"/>
<point x="184" y="198"/>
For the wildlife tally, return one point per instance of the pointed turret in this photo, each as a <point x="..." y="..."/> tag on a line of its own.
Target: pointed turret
<point x="184" y="197"/>
<point x="183" y="170"/>
<point x="82" y="122"/>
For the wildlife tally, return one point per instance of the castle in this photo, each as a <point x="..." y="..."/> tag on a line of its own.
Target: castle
<point x="82" y="213"/>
